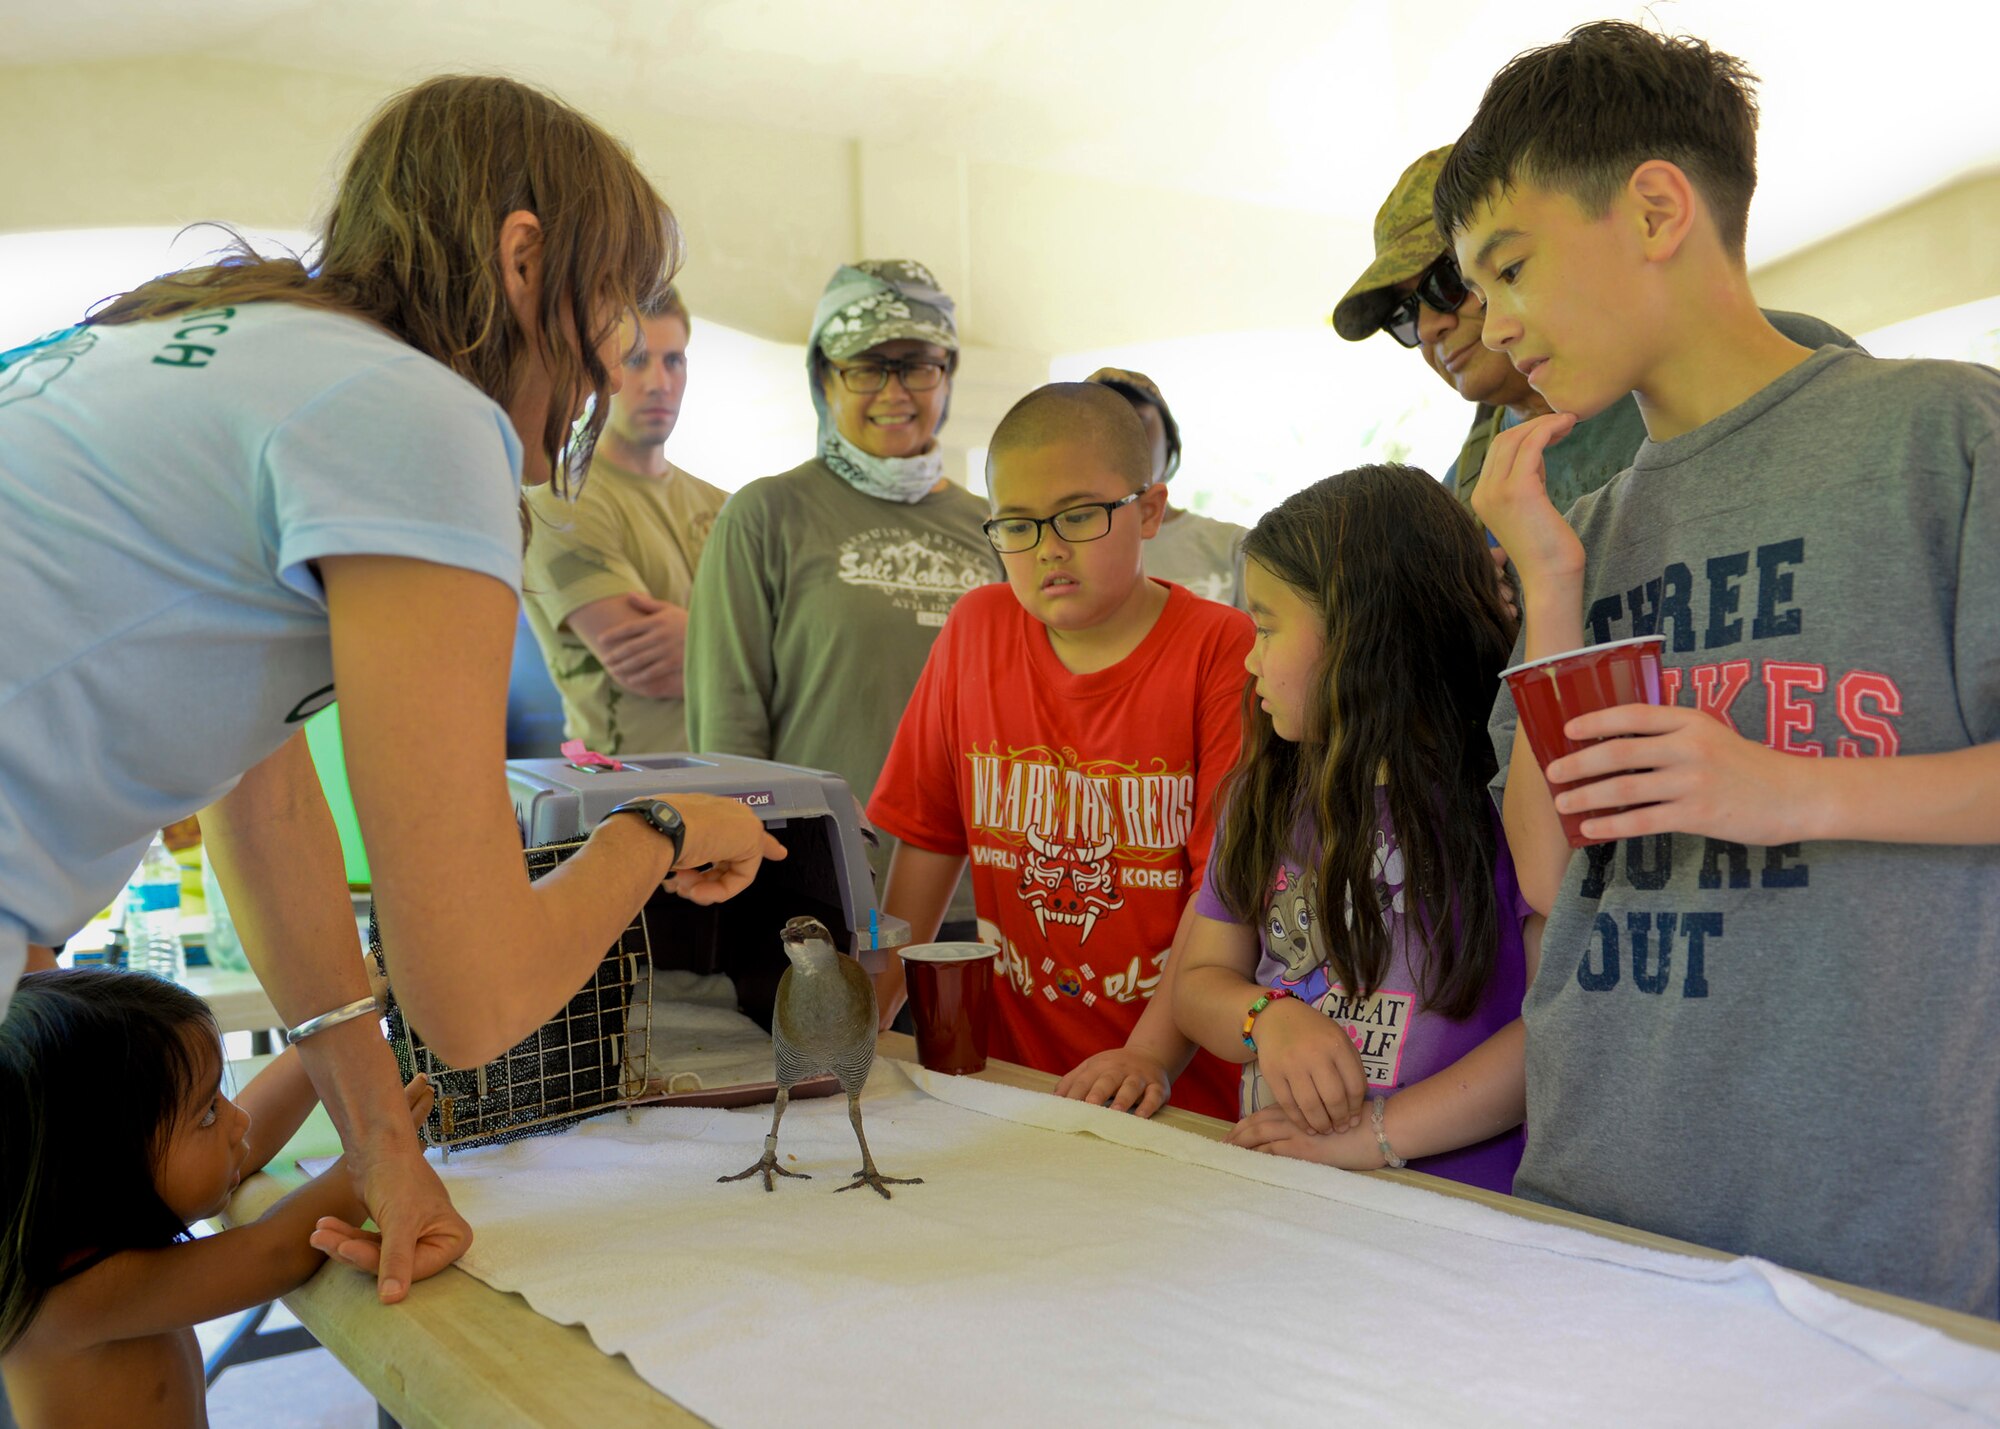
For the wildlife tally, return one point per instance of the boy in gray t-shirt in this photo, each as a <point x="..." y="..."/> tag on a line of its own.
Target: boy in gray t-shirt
<point x="1766" y="1015"/>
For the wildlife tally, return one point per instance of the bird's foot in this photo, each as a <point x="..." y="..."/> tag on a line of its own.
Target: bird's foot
<point x="869" y="1176"/>
<point x="768" y="1165"/>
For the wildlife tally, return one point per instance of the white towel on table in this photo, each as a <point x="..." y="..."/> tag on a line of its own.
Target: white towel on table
<point x="1142" y="1275"/>
<point x="693" y="1036"/>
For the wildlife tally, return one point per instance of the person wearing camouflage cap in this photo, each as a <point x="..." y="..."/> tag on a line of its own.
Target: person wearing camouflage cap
<point x="821" y="590"/>
<point x="1196" y="551"/>
<point x="1412" y="290"/>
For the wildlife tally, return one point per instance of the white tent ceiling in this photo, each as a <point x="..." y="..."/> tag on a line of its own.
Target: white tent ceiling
<point x="1311" y="104"/>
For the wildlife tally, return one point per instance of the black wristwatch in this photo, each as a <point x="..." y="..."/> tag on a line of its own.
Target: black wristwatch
<point x="662" y="816"/>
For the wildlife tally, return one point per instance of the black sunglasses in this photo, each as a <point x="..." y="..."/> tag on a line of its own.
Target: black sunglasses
<point x="1439" y="288"/>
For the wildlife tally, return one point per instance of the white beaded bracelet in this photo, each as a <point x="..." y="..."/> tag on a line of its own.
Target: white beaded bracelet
<point x="1377" y="1106"/>
<point x="366" y="1006"/>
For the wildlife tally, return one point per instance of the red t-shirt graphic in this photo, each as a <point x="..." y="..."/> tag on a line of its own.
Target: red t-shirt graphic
<point x="1086" y="806"/>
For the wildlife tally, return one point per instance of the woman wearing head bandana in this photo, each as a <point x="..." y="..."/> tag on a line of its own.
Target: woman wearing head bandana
<point x="821" y="590"/>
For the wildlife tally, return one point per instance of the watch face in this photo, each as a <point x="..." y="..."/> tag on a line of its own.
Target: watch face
<point x="664" y="817"/>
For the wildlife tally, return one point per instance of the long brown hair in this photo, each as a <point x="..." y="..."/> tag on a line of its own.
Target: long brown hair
<point x="412" y="243"/>
<point x="1416" y="636"/>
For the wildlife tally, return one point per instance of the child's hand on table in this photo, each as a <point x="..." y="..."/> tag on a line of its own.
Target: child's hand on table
<point x="1119" y="1078"/>
<point x="1276" y="1134"/>
<point x="1311" y="1067"/>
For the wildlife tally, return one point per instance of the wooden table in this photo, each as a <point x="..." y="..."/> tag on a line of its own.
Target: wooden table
<point x="460" y="1352"/>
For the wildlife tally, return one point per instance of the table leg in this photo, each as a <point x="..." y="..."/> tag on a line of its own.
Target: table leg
<point x="249" y="1342"/>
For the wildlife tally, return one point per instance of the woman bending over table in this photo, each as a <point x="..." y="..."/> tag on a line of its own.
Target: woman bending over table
<point x="238" y="490"/>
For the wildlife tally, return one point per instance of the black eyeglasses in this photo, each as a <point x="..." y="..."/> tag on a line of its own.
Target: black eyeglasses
<point x="917" y="375"/>
<point x="1439" y="288"/>
<point x="1011" y="535"/>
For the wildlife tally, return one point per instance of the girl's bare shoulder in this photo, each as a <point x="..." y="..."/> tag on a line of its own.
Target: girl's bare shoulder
<point x="151" y="1380"/>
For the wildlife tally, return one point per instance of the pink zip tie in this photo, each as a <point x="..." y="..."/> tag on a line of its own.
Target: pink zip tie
<point x="573" y="750"/>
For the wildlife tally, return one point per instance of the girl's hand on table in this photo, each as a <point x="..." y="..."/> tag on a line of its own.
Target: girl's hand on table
<point x="1276" y="1134"/>
<point x="1119" y="1078"/>
<point x="1310" y="1066"/>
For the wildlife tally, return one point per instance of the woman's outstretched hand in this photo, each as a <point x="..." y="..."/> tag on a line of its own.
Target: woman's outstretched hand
<point x="725" y="845"/>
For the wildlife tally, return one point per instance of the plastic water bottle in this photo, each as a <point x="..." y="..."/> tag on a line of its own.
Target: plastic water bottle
<point x="153" y="916"/>
<point x="225" y="948"/>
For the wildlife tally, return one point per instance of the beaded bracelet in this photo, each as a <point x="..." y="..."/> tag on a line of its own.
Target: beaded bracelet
<point x="1263" y="1001"/>
<point x="1377" y="1105"/>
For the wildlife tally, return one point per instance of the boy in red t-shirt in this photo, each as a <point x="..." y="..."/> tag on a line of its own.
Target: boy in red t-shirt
<point x="1068" y="736"/>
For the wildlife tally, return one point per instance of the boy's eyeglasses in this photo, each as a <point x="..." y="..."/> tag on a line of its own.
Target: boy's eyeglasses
<point x="1011" y="535"/>
<point x="1439" y="288"/>
<point x="917" y="376"/>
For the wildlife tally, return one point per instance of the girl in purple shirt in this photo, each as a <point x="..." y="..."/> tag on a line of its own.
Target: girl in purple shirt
<point x="1360" y="942"/>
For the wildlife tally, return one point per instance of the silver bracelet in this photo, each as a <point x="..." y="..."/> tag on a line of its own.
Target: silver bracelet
<point x="1377" y="1106"/>
<point x="363" y="1008"/>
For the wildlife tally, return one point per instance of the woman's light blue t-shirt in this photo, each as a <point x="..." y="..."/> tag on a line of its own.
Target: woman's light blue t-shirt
<point x="164" y="487"/>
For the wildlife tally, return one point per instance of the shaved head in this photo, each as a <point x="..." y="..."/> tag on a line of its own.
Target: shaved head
<point x="1087" y="414"/>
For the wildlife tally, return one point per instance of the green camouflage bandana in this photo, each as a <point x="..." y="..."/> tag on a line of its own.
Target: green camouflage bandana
<point x="881" y="300"/>
<point x="866" y="304"/>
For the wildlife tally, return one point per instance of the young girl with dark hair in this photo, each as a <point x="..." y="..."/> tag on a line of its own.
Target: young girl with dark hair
<point x="1360" y="941"/>
<point x="115" y="1135"/>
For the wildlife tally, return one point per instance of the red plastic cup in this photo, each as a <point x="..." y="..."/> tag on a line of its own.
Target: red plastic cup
<point x="951" y="1001"/>
<point x="1551" y="692"/>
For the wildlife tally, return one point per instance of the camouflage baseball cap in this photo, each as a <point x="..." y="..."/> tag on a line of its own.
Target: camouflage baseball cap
<point x="1406" y="242"/>
<point x="879" y="300"/>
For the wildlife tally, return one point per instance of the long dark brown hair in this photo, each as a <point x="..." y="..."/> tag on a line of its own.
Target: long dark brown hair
<point x="412" y="243"/>
<point x="96" y="1069"/>
<point x="1416" y="636"/>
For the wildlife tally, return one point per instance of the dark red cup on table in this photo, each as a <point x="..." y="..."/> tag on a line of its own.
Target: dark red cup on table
<point x="1550" y="692"/>
<point x="951" y="1002"/>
